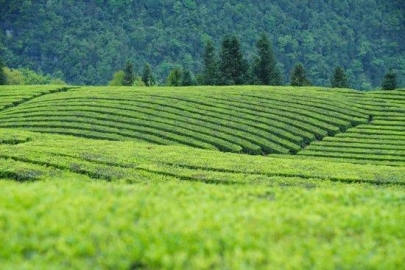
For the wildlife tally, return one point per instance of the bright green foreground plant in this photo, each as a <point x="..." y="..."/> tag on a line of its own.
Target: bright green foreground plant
<point x="176" y="225"/>
<point x="156" y="211"/>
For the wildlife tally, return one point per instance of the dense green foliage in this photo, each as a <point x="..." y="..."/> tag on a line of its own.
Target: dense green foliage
<point x="210" y="68"/>
<point x="233" y="67"/>
<point x="390" y="80"/>
<point x="24" y="76"/>
<point x="298" y="76"/>
<point x="3" y="77"/>
<point x="88" y="40"/>
<point x="339" y="79"/>
<point x="175" y="77"/>
<point x="187" y="78"/>
<point x="129" y="77"/>
<point x="265" y="70"/>
<point x="147" y="76"/>
<point x="117" y="78"/>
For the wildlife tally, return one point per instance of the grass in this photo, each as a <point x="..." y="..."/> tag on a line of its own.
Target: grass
<point x="114" y="201"/>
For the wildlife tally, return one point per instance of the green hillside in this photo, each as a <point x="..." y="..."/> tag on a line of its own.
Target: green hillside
<point x="85" y="42"/>
<point x="242" y="177"/>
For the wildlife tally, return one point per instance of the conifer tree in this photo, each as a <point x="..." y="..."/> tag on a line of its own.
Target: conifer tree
<point x="129" y="76"/>
<point x="3" y="77"/>
<point x="277" y="77"/>
<point x="188" y="78"/>
<point x="233" y="67"/>
<point x="339" y="79"/>
<point x="298" y="76"/>
<point x="390" y="80"/>
<point x="210" y="72"/>
<point x="147" y="76"/>
<point x="175" y="77"/>
<point x="265" y="66"/>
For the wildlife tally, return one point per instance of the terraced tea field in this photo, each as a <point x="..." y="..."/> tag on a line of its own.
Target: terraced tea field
<point x="201" y="178"/>
<point x="13" y="95"/>
<point x="260" y="121"/>
<point x="381" y="141"/>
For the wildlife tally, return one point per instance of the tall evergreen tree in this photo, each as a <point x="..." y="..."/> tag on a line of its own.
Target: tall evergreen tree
<point x="147" y="76"/>
<point x="277" y="77"/>
<point x="187" y="78"/>
<point x="129" y="76"/>
<point x="175" y="77"/>
<point x="233" y="67"/>
<point x="3" y="77"/>
<point x="210" y="72"/>
<point x="339" y="79"/>
<point x="298" y="76"/>
<point x="390" y="80"/>
<point x="265" y="65"/>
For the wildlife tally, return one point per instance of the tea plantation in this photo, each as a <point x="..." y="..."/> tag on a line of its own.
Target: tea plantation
<point x="245" y="177"/>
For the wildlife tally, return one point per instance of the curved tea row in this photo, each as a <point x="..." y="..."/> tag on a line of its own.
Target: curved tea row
<point x="50" y="156"/>
<point x="13" y="95"/>
<point x="253" y="120"/>
<point x="381" y="141"/>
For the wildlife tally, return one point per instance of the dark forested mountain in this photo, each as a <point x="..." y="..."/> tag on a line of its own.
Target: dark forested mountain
<point x="85" y="42"/>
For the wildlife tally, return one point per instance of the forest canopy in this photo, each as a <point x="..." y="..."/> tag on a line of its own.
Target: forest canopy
<point x="86" y="42"/>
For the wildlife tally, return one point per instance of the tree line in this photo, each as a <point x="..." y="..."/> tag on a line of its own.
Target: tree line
<point x="25" y="76"/>
<point x="230" y="67"/>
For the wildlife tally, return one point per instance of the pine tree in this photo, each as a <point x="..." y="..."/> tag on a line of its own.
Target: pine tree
<point x="210" y="72"/>
<point x="233" y="67"/>
<point x="129" y="77"/>
<point x="188" y="78"/>
<point x="339" y="79"/>
<point x="277" y="77"/>
<point x="175" y="77"/>
<point x="390" y="80"/>
<point x="147" y="76"/>
<point x="3" y="77"/>
<point x="298" y="76"/>
<point x="265" y="66"/>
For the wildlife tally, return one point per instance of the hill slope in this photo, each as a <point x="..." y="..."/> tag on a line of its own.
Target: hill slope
<point x="86" y="41"/>
<point x="254" y="120"/>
